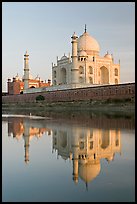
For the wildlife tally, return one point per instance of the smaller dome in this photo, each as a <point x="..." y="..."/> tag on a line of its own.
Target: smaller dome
<point x="26" y="53"/>
<point x="109" y="56"/>
<point x="82" y="53"/>
<point x="37" y="77"/>
<point x="64" y="57"/>
<point x="74" y="35"/>
<point x="17" y="77"/>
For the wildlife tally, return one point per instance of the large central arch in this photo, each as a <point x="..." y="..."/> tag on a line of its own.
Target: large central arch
<point x="104" y="76"/>
<point x="63" y="79"/>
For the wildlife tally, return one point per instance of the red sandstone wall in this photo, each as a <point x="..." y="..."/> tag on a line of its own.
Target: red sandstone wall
<point x="119" y="91"/>
<point x="14" y="87"/>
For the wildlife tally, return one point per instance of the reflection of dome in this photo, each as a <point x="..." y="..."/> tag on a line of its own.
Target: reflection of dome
<point x="110" y="158"/>
<point x="87" y="43"/>
<point x="26" y="161"/>
<point x="65" y="157"/>
<point x="88" y="172"/>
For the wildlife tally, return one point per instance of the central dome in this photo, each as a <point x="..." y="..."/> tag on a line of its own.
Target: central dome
<point x="87" y="43"/>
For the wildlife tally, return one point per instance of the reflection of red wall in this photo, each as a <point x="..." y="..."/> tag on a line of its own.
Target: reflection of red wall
<point x="16" y="127"/>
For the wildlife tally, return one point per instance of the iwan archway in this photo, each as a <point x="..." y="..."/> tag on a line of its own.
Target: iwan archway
<point x="104" y="75"/>
<point x="63" y="76"/>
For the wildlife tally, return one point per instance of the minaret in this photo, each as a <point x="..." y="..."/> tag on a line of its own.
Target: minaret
<point x="26" y="71"/>
<point x="75" y="150"/>
<point x="74" y="70"/>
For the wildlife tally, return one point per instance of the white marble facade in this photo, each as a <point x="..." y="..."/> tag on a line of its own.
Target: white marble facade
<point x="85" y="67"/>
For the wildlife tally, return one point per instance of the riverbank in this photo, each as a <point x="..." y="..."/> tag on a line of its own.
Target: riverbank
<point x="113" y="107"/>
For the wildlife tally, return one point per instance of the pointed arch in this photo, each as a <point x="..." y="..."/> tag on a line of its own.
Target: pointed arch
<point x="104" y="75"/>
<point x="81" y="70"/>
<point x="105" y="139"/>
<point x="116" y="81"/>
<point x="81" y="80"/>
<point x="63" y="76"/>
<point x="90" y="80"/>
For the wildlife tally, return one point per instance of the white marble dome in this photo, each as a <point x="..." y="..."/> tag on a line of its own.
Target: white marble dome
<point x="63" y="57"/>
<point x="17" y="77"/>
<point x="109" y="56"/>
<point x="82" y="53"/>
<point x="87" y="43"/>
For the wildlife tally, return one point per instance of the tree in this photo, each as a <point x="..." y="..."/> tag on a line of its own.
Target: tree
<point x="40" y="98"/>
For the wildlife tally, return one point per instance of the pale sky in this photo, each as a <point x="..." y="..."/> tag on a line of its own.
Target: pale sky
<point x="45" y="30"/>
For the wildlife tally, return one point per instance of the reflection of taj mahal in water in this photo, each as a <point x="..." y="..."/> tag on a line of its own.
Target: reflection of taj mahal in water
<point x="85" y="146"/>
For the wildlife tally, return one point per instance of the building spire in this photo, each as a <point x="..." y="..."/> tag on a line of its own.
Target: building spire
<point x="85" y="28"/>
<point x="86" y="186"/>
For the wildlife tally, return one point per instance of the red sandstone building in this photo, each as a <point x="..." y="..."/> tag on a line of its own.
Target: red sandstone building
<point x="16" y="86"/>
<point x="19" y="84"/>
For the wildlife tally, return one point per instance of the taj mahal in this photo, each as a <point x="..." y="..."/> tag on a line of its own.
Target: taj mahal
<point x="83" y="68"/>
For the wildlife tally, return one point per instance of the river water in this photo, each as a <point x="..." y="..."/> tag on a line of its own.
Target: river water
<point x="71" y="159"/>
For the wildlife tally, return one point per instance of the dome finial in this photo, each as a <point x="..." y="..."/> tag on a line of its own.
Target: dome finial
<point x="86" y="186"/>
<point x="85" y="28"/>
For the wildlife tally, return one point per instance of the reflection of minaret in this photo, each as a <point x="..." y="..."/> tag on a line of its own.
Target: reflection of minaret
<point x="26" y="71"/>
<point x="27" y="141"/>
<point x="75" y="148"/>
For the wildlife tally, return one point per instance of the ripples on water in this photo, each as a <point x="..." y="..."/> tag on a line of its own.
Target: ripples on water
<point x="79" y="157"/>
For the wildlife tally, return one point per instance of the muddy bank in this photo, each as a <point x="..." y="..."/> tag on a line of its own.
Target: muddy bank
<point x="64" y="109"/>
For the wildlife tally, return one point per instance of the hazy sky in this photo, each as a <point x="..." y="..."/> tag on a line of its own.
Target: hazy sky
<point x="45" y="30"/>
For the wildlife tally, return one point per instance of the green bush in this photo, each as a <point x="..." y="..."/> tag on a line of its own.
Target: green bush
<point x="40" y="98"/>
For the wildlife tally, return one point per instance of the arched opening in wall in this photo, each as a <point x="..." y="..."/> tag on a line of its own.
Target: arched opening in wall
<point x="54" y="82"/>
<point x="104" y="139"/>
<point x="116" y="81"/>
<point x="81" y="145"/>
<point x="117" y="139"/>
<point x="90" y="80"/>
<point x="91" y="145"/>
<point x="54" y="140"/>
<point x="81" y="70"/>
<point x="32" y="86"/>
<point x="63" y="77"/>
<point x="90" y="70"/>
<point x="63" y="139"/>
<point x="116" y="72"/>
<point x="104" y="75"/>
<point x="81" y="80"/>
<point x="54" y="74"/>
